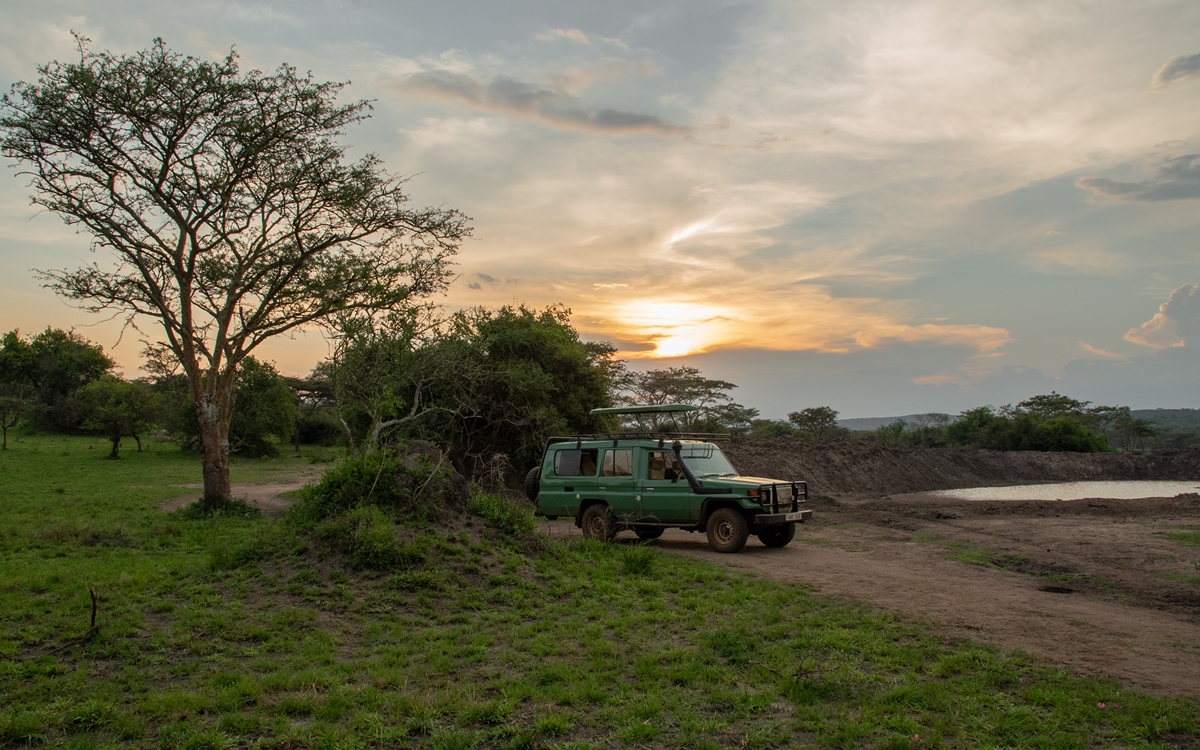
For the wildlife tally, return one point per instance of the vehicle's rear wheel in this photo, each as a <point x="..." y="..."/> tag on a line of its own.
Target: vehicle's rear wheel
<point x="727" y="530"/>
<point x="598" y="523"/>
<point x="531" y="483"/>
<point x="778" y="536"/>
<point x="648" y="534"/>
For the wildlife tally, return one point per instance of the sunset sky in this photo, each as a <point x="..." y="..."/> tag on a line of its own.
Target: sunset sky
<point x="884" y="207"/>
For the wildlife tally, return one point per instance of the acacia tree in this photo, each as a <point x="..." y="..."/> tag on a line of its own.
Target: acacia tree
<point x="116" y="409"/>
<point x="819" y="421"/>
<point x="682" y="385"/>
<point x="228" y="207"/>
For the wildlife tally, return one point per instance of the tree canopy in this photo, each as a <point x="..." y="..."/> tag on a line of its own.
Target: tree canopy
<point x="225" y="206"/>
<point x="685" y="385"/>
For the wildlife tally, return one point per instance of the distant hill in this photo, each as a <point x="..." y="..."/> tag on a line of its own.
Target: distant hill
<point x="874" y="423"/>
<point x="1170" y="418"/>
<point x="1179" y="428"/>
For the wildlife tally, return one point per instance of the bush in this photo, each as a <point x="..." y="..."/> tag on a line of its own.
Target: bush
<point x="370" y="538"/>
<point x="413" y="488"/>
<point x="501" y="513"/>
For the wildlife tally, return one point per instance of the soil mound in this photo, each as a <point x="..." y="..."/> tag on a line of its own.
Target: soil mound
<point x="880" y="467"/>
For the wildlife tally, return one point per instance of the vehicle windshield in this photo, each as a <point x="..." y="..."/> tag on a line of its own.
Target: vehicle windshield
<point x="707" y="461"/>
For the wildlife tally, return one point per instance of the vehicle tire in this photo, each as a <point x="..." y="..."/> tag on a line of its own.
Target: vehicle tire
<point x="727" y="530"/>
<point x="598" y="523"/>
<point x="778" y="536"/>
<point x="648" y="534"/>
<point x="532" y="483"/>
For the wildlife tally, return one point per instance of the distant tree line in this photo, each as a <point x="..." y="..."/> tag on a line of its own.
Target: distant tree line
<point x="1050" y="422"/>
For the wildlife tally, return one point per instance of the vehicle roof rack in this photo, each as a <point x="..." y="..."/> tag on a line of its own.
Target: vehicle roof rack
<point x="649" y="409"/>
<point x="641" y="435"/>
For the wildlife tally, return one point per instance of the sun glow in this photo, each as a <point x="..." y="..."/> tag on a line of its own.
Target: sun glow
<point x="674" y="329"/>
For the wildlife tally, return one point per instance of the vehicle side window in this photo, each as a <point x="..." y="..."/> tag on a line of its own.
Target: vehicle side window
<point x="575" y="463"/>
<point x="661" y="465"/>
<point x="618" y="463"/>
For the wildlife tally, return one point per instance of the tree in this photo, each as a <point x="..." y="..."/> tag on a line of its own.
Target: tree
<point x="1052" y="405"/>
<point x="16" y="369"/>
<point x="684" y="385"/>
<point x="264" y="409"/>
<point x="228" y="205"/>
<point x="522" y="376"/>
<point x="117" y="408"/>
<point x="316" y="419"/>
<point x="47" y="370"/>
<point x="482" y="383"/>
<point x="819" y="421"/>
<point x="379" y="377"/>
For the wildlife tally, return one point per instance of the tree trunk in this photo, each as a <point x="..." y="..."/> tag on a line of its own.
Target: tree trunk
<point x="139" y="443"/>
<point x="214" y="414"/>
<point x="116" y="443"/>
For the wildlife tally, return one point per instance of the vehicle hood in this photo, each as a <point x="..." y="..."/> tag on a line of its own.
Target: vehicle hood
<point x="742" y="483"/>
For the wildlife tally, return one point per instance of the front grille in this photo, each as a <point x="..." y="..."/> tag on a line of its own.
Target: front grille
<point x="779" y="497"/>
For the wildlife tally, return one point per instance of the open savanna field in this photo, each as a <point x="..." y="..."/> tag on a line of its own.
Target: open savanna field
<point x="241" y="630"/>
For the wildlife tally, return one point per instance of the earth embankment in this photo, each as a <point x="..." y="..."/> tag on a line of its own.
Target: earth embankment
<point x="879" y="467"/>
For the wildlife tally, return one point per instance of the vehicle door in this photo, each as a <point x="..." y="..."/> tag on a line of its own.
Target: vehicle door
<point x="665" y="494"/>
<point x="568" y="478"/>
<point x="616" y="485"/>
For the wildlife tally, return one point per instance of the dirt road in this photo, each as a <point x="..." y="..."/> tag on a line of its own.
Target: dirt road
<point x="1096" y="585"/>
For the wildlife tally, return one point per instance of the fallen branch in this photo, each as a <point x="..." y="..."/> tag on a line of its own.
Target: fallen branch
<point x="86" y="636"/>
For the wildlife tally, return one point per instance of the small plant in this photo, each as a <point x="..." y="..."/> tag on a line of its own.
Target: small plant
<point x="370" y="537"/>
<point x="639" y="560"/>
<point x="233" y="509"/>
<point x="501" y="513"/>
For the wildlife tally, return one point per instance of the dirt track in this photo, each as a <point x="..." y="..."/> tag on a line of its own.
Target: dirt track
<point x="1115" y="613"/>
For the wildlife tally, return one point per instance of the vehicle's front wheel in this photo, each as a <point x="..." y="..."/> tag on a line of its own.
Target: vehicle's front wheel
<point x="647" y="535"/>
<point x="727" y="530"/>
<point x="598" y="523"/>
<point x="778" y="536"/>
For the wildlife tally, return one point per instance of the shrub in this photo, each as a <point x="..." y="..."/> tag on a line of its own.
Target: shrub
<point x="370" y="538"/>
<point x="412" y="487"/>
<point x="501" y="513"/>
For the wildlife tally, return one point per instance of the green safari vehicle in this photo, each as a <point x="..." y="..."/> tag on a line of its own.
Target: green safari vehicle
<point x="648" y="482"/>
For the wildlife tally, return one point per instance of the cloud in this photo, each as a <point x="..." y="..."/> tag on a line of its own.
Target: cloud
<point x="1178" y="179"/>
<point x="574" y="35"/>
<point x="577" y="78"/>
<point x="1176" y="324"/>
<point x="752" y="315"/>
<point x="1176" y="69"/>
<point x="1098" y="351"/>
<point x="549" y="104"/>
<point x="485" y="277"/>
<point x="474" y="285"/>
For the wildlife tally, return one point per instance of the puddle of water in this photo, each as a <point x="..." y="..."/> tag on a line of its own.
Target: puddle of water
<point x="1069" y="491"/>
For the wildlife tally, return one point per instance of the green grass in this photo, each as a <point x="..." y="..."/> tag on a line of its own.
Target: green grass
<point x="1188" y="535"/>
<point x="238" y="630"/>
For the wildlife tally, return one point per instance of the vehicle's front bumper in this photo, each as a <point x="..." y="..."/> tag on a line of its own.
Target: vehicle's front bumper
<point x="798" y="516"/>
